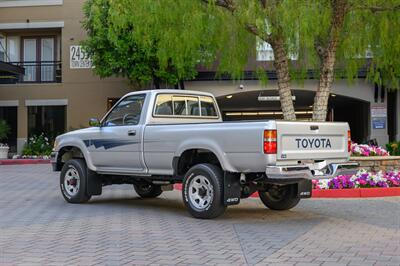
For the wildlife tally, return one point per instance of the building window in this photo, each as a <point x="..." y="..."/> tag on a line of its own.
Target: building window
<point x="111" y="102"/>
<point x="50" y="120"/>
<point x="38" y="59"/>
<point x="13" y="49"/>
<point x="30" y="58"/>
<point x="266" y="53"/>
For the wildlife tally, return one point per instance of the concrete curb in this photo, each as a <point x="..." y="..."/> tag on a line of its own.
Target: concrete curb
<point x="24" y="161"/>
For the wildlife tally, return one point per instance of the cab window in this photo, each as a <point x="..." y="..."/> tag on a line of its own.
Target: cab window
<point x="207" y="107"/>
<point x="164" y="105"/>
<point x="179" y="105"/>
<point x="126" y="112"/>
<point x="185" y="106"/>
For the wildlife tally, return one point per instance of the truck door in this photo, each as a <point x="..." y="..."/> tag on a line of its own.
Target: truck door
<point x="117" y="146"/>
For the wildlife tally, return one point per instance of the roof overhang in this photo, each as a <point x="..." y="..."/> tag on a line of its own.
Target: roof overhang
<point x="32" y="25"/>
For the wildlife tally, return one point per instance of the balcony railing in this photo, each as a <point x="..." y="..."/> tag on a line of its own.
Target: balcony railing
<point x="40" y="72"/>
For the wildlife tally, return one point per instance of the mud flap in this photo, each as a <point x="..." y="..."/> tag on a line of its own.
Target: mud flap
<point x="232" y="189"/>
<point x="94" y="185"/>
<point x="304" y="189"/>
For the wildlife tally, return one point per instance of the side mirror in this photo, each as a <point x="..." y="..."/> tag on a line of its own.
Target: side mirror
<point x="94" y="122"/>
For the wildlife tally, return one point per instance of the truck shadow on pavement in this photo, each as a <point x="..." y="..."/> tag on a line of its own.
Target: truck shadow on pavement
<point x="247" y="210"/>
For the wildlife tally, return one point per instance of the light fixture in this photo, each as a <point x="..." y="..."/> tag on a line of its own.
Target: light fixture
<point x="310" y="106"/>
<point x="266" y="113"/>
<point x="333" y="95"/>
<point x="229" y="96"/>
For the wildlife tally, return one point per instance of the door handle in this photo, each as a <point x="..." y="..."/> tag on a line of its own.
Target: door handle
<point x="131" y="132"/>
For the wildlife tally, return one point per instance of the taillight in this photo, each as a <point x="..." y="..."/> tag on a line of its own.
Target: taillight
<point x="348" y="141"/>
<point x="270" y="146"/>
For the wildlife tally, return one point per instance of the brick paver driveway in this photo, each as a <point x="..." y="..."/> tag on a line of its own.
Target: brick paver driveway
<point x="39" y="228"/>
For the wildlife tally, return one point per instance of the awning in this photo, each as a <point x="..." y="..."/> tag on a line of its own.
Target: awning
<point x="10" y="73"/>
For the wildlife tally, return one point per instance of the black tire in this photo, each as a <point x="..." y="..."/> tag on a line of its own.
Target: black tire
<point x="212" y="178"/>
<point x="147" y="190"/>
<point x="77" y="193"/>
<point x="280" y="200"/>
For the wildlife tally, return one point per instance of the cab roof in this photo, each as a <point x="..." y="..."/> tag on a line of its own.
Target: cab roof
<point x="171" y="91"/>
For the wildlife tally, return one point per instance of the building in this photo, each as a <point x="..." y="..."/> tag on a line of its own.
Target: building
<point x="47" y="83"/>
<point x="58" y="91"/>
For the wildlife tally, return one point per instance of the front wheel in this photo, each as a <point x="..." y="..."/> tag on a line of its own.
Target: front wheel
<point x="147" y="190"/>
<point x="73" y="180"/>
<point x="202" y="191"/>
<point x="279" y="197"/>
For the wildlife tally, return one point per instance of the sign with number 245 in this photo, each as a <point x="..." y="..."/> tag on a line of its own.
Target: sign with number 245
<point x="79" y="58"/>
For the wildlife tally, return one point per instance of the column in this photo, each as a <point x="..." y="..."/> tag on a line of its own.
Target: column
<point x="22" y="133"/>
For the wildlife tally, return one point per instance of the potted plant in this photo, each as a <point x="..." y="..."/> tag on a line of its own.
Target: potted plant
<point x="4" y="130"/>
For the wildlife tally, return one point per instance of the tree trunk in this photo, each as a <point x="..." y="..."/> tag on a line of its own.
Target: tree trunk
<point x="156" y="82"/>
<point x="282" y="71"/>
<point x="328" y="59"/>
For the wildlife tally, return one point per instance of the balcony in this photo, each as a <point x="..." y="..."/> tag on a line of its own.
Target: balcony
<point x="36" y="72"/>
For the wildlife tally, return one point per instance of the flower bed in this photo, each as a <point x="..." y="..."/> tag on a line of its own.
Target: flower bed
<point x="362" y="179"/>
<point x="367" y="150"/>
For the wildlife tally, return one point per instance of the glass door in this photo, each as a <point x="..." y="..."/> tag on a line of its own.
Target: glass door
<point x="13" y="49"/>
<point x="30" y="59"/>
<point x="47" y="59"/>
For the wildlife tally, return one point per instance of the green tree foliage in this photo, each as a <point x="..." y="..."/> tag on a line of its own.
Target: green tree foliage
<point x="326" y="35"/>
<point x="116" y="52"/>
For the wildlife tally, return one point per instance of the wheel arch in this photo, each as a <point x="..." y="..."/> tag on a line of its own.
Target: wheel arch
<point x="195" y="155"/>
<point x="72" y="151"/>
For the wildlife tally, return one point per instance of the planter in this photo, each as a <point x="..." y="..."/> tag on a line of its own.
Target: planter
<point x="377" y="163"/>
<point x="356" y="192"/>
<point x="4" y="152"/>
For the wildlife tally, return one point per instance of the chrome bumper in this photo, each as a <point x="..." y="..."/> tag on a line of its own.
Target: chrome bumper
<point x="306" y="172"/>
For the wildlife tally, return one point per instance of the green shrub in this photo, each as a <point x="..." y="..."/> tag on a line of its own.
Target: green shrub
<point x="393" y="148"/>
<point x="38" y="145"/>
<point x="4" y="130"/>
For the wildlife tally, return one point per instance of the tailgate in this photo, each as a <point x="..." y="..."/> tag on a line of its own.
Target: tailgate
<point x="311" y="140"/>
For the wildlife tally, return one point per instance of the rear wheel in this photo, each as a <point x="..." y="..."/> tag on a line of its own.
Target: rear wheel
<point x="73" y="181"/>
<point x="147" y="190"/>
<point x="202" y="191"/>
<point x="279" y="197"/>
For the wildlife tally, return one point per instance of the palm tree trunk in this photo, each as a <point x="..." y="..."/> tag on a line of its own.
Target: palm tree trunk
<point x="328" y="58"/>
<point x="282" y="71"/>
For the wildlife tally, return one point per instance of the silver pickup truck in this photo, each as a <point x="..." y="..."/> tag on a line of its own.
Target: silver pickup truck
<point x="154" y="139"/>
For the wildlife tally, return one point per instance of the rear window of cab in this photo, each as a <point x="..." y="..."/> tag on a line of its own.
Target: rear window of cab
<point x="184" y="106"/>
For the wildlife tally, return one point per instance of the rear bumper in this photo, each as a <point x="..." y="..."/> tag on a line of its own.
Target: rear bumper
<point x="305" y="172"/>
